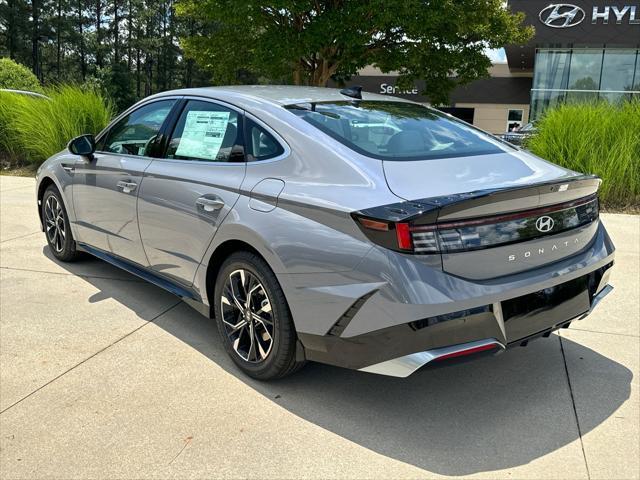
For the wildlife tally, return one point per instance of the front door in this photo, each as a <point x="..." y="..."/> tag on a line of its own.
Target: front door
<point x="105" y="188"/>
<point x="187" y="194"/>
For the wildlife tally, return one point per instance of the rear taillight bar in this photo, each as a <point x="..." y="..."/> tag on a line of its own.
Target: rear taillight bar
<point x="477" y="233"/>
<point x="534" y="212"/>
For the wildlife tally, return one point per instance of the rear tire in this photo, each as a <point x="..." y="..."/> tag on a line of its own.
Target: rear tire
<point x="56" y="226"/>
<point x="253" y="318"/>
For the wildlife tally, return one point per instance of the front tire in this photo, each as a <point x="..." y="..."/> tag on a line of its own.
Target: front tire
<point x="253" y="318"/>
<point x="56" y="226"/>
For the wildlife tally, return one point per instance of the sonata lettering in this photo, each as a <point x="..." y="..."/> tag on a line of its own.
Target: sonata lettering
<point x="541" y="251"/>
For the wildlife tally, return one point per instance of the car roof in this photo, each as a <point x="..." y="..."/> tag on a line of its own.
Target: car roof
<point x="279" y="94"/>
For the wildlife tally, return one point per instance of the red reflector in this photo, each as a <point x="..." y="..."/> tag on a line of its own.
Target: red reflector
<point x="404" y="236"/>
<point x="374" y="225"/>
<point x="469" y="351"/>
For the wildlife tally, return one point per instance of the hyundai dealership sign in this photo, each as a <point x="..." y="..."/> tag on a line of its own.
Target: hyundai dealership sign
<point x="561" y="15"/>
<point x="564" y="15"/>
<point x="574" y="23"/>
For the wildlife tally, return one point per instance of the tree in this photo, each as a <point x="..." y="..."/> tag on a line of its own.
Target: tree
<point x="310" y="41"/>
<point x="35" y="38"/>
<point x="14" y="29"/>
<point x="80" y="40"/>
<point x="98" y="47"/>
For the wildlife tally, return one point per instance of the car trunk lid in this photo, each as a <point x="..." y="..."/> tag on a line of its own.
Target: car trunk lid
<point x="441" y="177"/>
<point x="498" y="215"/>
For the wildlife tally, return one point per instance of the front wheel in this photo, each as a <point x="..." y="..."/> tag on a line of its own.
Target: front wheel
<point x="56" y="226"/>
<point x="253" y="318"/>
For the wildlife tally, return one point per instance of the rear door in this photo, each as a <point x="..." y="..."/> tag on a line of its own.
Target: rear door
<point x="105" y="188"/>
<point x="187" y="193"/>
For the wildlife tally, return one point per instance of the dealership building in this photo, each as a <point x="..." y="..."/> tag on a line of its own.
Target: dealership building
<point x="581" y="51"/>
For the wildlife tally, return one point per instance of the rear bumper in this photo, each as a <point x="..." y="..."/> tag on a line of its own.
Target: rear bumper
<point x="414" y="312"/>
<point x="403" y="349"/>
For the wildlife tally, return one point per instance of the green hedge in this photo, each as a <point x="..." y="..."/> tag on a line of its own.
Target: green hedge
<point x="600" y="138"/>
<point x="17" y="77"/>
<point x="32" y="129"/>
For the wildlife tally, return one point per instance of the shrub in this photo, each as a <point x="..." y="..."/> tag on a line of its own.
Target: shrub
<point x="598" y="138"/>
<point x="17" y="77"/>
<point x="33" y="129"/>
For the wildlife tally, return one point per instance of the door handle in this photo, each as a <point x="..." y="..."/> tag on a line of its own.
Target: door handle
<point x="127" y="187"/>
<point x="68" y="168"/>
<point x="210" y="204"/>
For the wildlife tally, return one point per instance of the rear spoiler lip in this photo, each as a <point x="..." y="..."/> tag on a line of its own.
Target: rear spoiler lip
<point x="462" y="205"/>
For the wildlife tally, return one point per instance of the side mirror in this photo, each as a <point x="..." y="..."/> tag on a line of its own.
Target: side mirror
<point x="83" y="145"/>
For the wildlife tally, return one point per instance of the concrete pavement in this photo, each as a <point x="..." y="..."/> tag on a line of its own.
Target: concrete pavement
<point x="105" y="376"/>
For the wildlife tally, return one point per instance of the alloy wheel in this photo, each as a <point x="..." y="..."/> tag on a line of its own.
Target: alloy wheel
<point x="247" y="316"/>
<point x="54" y="222"/>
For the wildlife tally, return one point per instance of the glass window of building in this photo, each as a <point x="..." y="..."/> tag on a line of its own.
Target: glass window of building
<point x="636" y="83"/>
<point x="617" y="74"/>
<point x="552" y="69"/>
<point x="584" y="74"/>
<point x="550" y="80"/>
<point x="514" y="119"/>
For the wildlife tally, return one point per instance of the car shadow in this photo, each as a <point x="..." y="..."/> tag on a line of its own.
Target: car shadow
<point x="490" y="414"/>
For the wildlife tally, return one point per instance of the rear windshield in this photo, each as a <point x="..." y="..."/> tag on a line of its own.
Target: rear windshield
<point x="396" y="130"/>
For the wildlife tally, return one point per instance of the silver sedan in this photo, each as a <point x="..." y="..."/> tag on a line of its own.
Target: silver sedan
<point x="338" y="226"/>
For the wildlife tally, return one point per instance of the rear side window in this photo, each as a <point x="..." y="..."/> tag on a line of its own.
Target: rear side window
<point x="260" y="144"/>
<point x="207" y="132"/>
<point x="397" y="130"/>
<point x="134" y="134"/>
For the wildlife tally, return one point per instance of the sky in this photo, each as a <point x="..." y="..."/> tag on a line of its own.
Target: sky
<point x="496" y="55"/>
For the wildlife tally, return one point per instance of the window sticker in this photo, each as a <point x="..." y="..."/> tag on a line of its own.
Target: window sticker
<point x="203" y="134"/>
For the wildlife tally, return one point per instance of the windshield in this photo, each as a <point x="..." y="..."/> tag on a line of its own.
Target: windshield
<point x="397" y="130"/>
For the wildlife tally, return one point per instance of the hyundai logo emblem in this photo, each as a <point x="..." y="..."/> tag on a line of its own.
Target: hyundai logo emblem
<point x="561" y="15"/>
<point x="544" y="224"/>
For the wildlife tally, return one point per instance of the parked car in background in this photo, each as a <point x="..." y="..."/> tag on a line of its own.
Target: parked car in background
<point x="519" y="136"/>
<point x="24" y="92"/>
<point x="337" y="226"/>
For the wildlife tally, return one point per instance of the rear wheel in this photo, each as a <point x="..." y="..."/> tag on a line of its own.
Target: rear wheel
<point x="253" y="318"/>
<point x="56" y="226"/>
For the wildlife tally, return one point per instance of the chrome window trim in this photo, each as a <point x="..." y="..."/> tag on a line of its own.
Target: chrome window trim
<point x="198" y="162"/>
<point x="222" y="103"/>
<point x="135" y="106"/>
<point x="285" y="146"/>
<point x="126" y="155"/>
<point x="283" y="143"/>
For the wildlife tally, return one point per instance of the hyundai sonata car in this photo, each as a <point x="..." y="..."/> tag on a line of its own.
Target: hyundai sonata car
<point x="336" y="226"/>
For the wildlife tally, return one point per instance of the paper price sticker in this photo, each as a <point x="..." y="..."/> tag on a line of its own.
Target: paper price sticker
<point x="203" y="134"/>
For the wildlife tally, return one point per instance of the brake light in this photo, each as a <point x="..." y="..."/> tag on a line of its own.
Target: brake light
<point x="394" y="235"/>
<point x="403" y="234"/>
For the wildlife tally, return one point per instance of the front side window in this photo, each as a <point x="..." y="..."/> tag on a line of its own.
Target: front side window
<point x="134" y="134"/>
<point x="207" y="132"/>
<point x="397" y="130"/>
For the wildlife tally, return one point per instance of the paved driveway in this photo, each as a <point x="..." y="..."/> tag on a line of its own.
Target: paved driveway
<point x="105" y="376"/>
